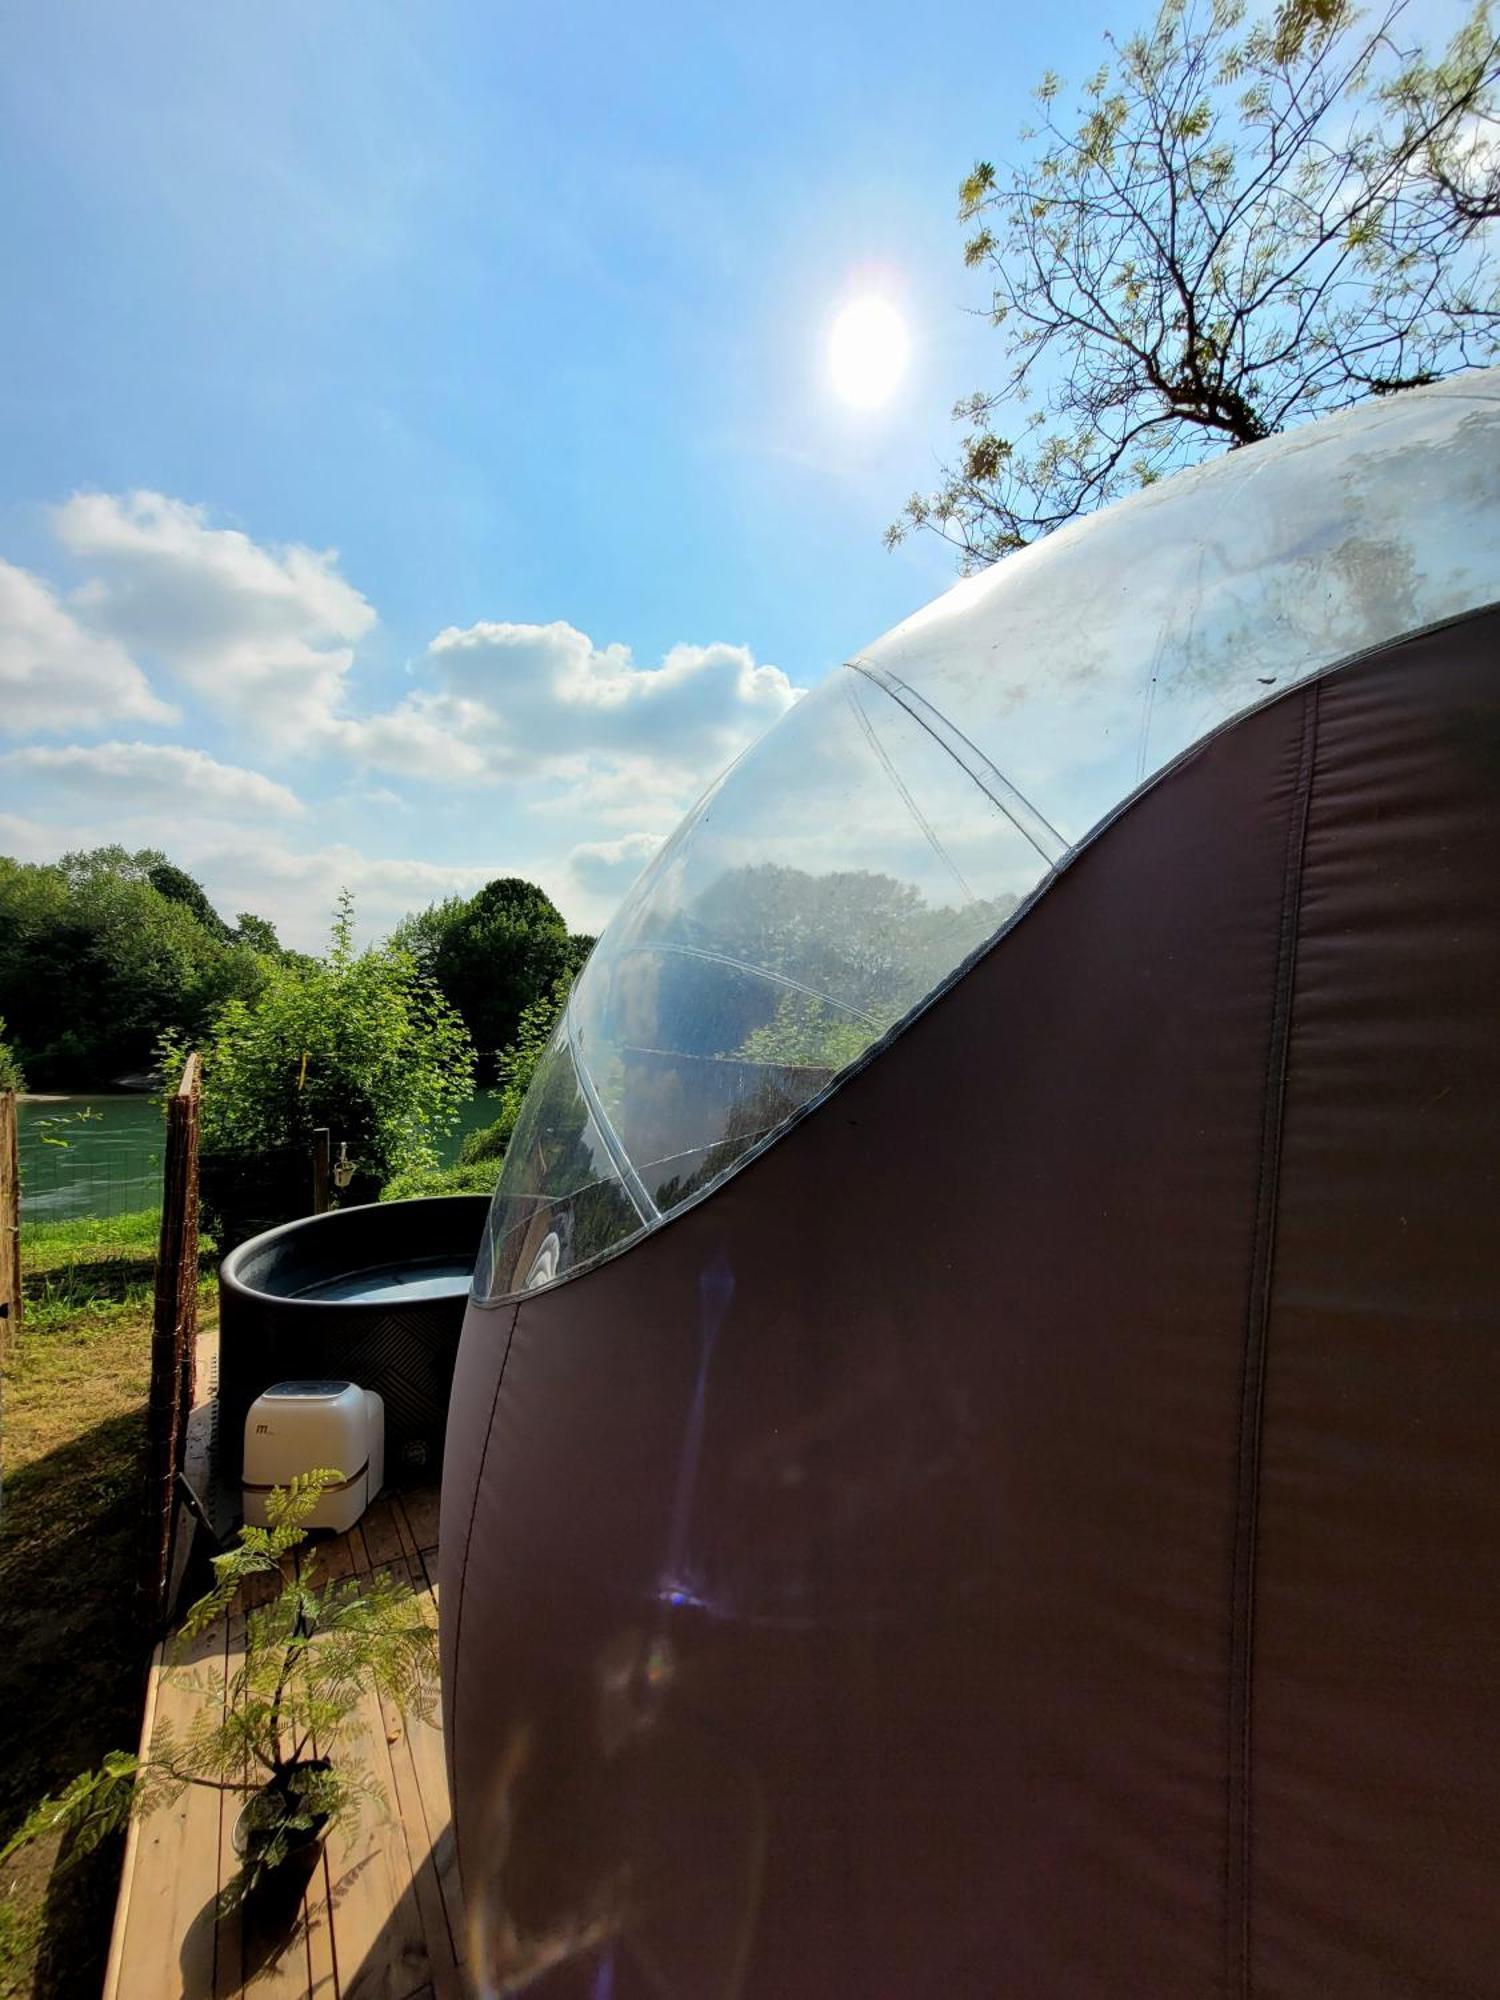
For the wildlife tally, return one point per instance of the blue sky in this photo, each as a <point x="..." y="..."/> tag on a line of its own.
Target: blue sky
<point x="419" y="458"/>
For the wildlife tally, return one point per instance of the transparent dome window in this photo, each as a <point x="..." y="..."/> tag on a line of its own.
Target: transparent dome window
<point x="568" y="1203"/>
<point x="907" y="808"/>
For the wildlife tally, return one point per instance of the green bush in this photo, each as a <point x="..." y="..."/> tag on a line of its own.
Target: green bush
<point x="468" y="1177"/>
<point x="360" y="1042"/>
<point x="486" y="1144"/>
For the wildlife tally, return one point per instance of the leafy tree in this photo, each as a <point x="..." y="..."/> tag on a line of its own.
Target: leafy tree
<point x="1459" y="166"/>
<point x="492" y="954"/>
<point x="259" y="933"/>
<point x="97" y="962"/>
<point x="360" y="1042"/>
<point x="11" y="1077"/>
<point x="805" y="1033"/>
<point x="168" y="880"/>
<point x="423" y="931"/>
<point x="872" y="943"/>
<point x="1237" y="227"/>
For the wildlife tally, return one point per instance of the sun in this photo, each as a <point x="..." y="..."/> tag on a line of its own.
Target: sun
<point x="867" y="351"/>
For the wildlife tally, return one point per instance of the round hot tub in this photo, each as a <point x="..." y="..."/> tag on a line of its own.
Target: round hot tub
<point x="375" y="1294"/>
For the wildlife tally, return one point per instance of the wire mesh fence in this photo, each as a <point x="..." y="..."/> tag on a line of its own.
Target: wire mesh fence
<point x="10" y="1227"/>
<point x="91" y="1181"/>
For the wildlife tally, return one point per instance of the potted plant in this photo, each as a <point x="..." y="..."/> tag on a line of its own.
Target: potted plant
<point x="277" y="1734"/>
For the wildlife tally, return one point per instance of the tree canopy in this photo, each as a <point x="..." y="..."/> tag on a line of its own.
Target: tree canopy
<point x="168" y="880"/>
<point x="103" y="952"/>
<point x="494" y="954"/>
<point x="1238" y="225"/>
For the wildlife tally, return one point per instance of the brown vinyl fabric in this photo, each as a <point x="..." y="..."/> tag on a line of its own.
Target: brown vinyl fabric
<point x="1029" y="1531"/>
<point x="1373" y="1827"/>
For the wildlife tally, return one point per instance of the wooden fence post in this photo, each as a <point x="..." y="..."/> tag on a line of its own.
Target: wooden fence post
<point x="10" y="1248"/>
<point x="322" y="1149"/>
<point x="10" y="1223"/>
<point x="174" y="1330"/>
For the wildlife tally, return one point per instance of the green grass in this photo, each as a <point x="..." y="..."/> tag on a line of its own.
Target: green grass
<point x="72" y="1656"/>
<point x="53" y="1244"/>
<point x="88" y="1261"/>
<point x="92" y="1264"/>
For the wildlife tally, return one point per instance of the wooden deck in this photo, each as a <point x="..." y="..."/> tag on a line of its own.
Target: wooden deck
<point x="380" y="1917"/>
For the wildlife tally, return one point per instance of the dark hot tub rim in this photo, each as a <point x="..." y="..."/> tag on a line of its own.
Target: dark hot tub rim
<point x="270" y="1239"/>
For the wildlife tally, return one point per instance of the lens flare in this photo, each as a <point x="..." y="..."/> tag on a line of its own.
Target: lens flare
<point x="867" y="352"/>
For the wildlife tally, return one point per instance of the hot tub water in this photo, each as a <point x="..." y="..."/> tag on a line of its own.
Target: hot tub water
<point x="397" y="1283"/>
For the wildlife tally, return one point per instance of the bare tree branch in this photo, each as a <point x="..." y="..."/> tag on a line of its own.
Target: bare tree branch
<point x="1239" y="227"/>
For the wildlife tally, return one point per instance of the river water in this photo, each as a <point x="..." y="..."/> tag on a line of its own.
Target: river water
<point x="102" y="1155"/>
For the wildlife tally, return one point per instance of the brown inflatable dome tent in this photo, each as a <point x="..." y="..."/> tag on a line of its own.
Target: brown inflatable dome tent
<point x="974" y="1468"/>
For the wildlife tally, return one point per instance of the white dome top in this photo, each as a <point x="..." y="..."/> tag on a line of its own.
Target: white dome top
<point x="909" y="808"/>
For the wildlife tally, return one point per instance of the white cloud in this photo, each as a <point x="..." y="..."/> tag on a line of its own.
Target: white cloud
<point x="262" y="634"/>
<point x="424" y="737"/>
<point x="147" y="776"/>
<point x="606" y="868"/>
<point x="627" y="791"/>
<point x="25" y="840"/>
<point x="297" y="887"/>
<point x="54" y="674"/>
<point x="701" y="698"/>
<point x="543" y="701"/>
<point x="590" y="756"/>
<point x="380" y="797"/>
<point x="267" y="636"/>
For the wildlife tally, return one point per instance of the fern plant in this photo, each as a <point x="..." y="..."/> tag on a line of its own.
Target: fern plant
<point x="313" y="1651"/>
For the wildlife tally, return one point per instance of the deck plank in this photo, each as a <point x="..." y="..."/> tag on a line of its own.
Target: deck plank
<point x="335" y="1557"/>
<point x="167" y="1932"/>
<point x="276" y="1967"/>
<point x="381" y="1948"/>
<point x="322" y="1964"/>
<point x="360" y="1563"/>
<point x="229" y="1954"/>
<point x="419" y="1768"/>
<point x="380" y="1917"/>
<point x="430" y="1761"/>
<point x="420" y="1506"/>
<point x="382" y="1537"/>
<point x="403" y="1526"/>
<point x="121" y="1926"/>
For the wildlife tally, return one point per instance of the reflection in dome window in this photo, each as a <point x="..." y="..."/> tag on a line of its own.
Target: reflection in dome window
<point x="695" y="1057"/>
<point x="838" y="875"/>
<point x="561" y="1202"/>
<point x="834" y="879"/>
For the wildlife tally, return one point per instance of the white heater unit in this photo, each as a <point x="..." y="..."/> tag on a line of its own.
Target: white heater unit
<point x="297" y="1427"/>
